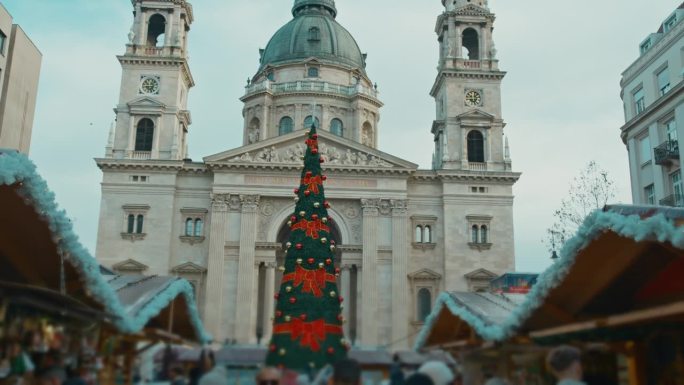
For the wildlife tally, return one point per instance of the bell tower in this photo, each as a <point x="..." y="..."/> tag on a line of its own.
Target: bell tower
<point x="152" y="119"/>
<point x="468" y="131"/>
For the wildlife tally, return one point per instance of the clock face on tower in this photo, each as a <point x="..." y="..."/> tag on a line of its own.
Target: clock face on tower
<point x="473" y="98"/>
<point x="149" y="85"/>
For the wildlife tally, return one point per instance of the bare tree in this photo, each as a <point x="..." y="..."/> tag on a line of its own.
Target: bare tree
<point x="589" y="191"/>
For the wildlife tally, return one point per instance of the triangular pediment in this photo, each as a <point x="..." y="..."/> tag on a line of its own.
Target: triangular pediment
<point x="476" y="115"/>
<point x="424" y="275"/>
<point x="472" y="10"/>
<point x="188" y="268"/>
<point x="481" y="275"/>
<point x="288" y="150"/>
<point x="130" y="265"/>
<point x="146" y="102"/>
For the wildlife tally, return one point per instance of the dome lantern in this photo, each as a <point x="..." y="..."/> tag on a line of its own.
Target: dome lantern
<point x="302" y="5"/>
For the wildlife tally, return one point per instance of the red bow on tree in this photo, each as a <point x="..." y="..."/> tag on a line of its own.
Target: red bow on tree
<point x="312" y="333"/>
<point x="311" y="227"/>
<point x="312" y="143"/>
<point x="313" y="280"/>
<point x="312" y="183"/>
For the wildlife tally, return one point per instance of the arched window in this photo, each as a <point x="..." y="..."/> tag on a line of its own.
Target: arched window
<point x="131" y="224"/>
<point x="189" y="231"/>
<point x="312" y="72"/>
<point x="144" y="135"/>
<point x="471" y="42"/>
<point x="424" y="304"/>
<point x="155" y="31"/>
<point x="475" y="147"/>
<point x="419" y="235"/>
<point x="270" y="76"/>
<point x="474" y="236"/>
<point x="199" y="224"/>
<point x="139" y="224"/>
<point x="336" y="127"/>
<point x="427" y="235"/>
<point x="314" y="34"/>
<point x="309" y="120"/>
<point x="483" y="234"/>
<point x="285" y="126"/>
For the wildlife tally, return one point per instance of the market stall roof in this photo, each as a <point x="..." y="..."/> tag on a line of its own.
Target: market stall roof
<point x="458" y="316"/>
<point x="38" y="247"/>
<point x="634" y="256"/>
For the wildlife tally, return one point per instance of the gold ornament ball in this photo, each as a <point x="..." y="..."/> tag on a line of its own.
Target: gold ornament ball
<point x="281" y="268"/>
<point x="288" y="289"/>
<point x="299" y="261"/>
<point x="282" y="352"/>
<point x="288" y="318"/>
<point x="324" y="240"/>
<point x="317" y="205"/>
<point x="321" y="265"/>
<point x="333" y="294"/>
<point x="302" y="213"/>
<point x="324" y="220"/>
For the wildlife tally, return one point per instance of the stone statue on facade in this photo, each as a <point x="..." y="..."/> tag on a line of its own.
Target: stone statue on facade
<point x="254" y="134"/>
<point x="131" y="36"/>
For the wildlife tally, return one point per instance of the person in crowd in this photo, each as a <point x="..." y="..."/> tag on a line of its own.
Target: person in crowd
<point x="438" y="371"/>
<point x="396" y="374"/>
<point x="177" y="376"/>
<point x="565" y="363"/>
<point x="52" y="372"/>
<point x="346" y="372"/>
<point x="217" y="374"/>
<point x="75" y="376"/>
<point x="203" y="365"/>
<point x="269" y="376"/>
<point x="419" y="379"/>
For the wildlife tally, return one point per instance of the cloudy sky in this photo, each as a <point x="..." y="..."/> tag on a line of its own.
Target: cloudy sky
<point x="560" y="98"/>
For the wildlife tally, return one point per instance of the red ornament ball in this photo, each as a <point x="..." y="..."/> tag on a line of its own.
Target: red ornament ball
<point x="311" y="261"/>
<point x="340" y="317"/>
<point x="332" y="242"/>
<point x="321" y="160"/>
<point x="296" y="191"/>
<point x="328" y="261"/>
<point x="299" y="246"/>
<point x="314" y="136"/>
<point x="302" y="317"/>
<point x="324" y="177"/>
<point x="341" y="299"/>
<point x="309" y="173"/>
<point x="293" y="218"/>
<point x="272" y="348"/>
<point x="307" y="193"/>
<point x="293" y="300"/>
<point x="314" y="151"/>
<point x="276" y="296"/>
<point x="279" y="313"/>
<point x="337" y="270"/>
<point x="326" y="204"/>
<point x="314" y="217"/>
<point x="331" y="351"/>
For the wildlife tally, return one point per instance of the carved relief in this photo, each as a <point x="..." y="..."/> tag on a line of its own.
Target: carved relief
<point x="267" y="209"/>
<point x="234" y="203"/>
<point x="294" y="154"/>
<point x="399" y="206"/>
<point x="225" y="202"/>
<point x="370" y="206"/>
<point x="385" y="207"/>
<point x="250" y="201"/>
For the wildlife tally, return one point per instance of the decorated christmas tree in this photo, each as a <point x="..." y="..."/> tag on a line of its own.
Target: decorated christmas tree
<point x="307" y="329"/>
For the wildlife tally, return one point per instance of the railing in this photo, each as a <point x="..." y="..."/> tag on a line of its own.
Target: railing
<point x="310" y="86"/>
<point x="474" y="64"/>
<point x="141" y="155"/>
<point x="674" y="200"/>
<point x="477" y="166"/>
<point x="666" y="152"/>
<point x="154" y="51"/>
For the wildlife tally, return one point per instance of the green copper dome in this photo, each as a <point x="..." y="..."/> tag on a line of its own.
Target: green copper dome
<point x="313" y="33"/>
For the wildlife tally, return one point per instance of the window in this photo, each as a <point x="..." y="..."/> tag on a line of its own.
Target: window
<point x="649" y="194"/>
<point x="483" y="234"/>
<point x="639" y="103"/>
<point x="144" y="135"/>
<point x="663" y="81"/>
<point x="671" y="129"/>
<point x="3" y="42"/>
<point x="471" y="42"/>
<point x="645" y="46"/>
<point x="155" y="30"/>
<point x="199" y="227"/>
<point x="336" y="127"/>
<point x="309" y="120"/>
<point x="480" y="231"/>
<point x="312" y="72"/>
<point x="475" y="147"/>
<point x="193" y="225"/>
<point x="189" y="227"/>
<point x="474" y="234"/>
<point x="424" y="304"/>
<point x="677" y="189"/>
<point x="285" y="126"/>
<point x="134" y="226"/>
<point x="424" y="231"/>
<point x="270" y="76"/>
<point x="139" y="178"/>
<point x="314" y="34"/>
<point x="670" y="23"/>
<point x="645" y="150"/>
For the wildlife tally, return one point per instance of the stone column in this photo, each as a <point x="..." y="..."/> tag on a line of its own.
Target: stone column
<point x="156" y="135"/>
<point x="269" y="292"/>
<point x="400" y="255"/>
<point x="217" y="240"/>
<point x="369" y="304"/>
<point x="142" y="23"/>
<point x="346" y="294"/>
<point x="245" y="301"/>
<point x="131" y="135"/>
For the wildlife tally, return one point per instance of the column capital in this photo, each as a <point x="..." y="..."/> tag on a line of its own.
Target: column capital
<point x="250" y="202"/>
<point x="345" y="267"/>
<point x="370" y="206"/>
<point x="399" y="206"/>
<point x="270" y="265"/>
<point x="219" y="202"/>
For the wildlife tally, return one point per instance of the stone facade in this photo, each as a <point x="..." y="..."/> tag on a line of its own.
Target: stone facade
<point x="222" y="222"/>
<point x="20" y="62"/>
<point x="653" y="96"/>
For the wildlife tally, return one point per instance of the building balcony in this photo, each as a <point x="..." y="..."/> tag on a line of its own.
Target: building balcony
<point x="140" y="155"/>
<point x="310" y="86"/>
<point x="666" y="153"/>
<point x="477" y="166"/>
<point x="674" y="200"/>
